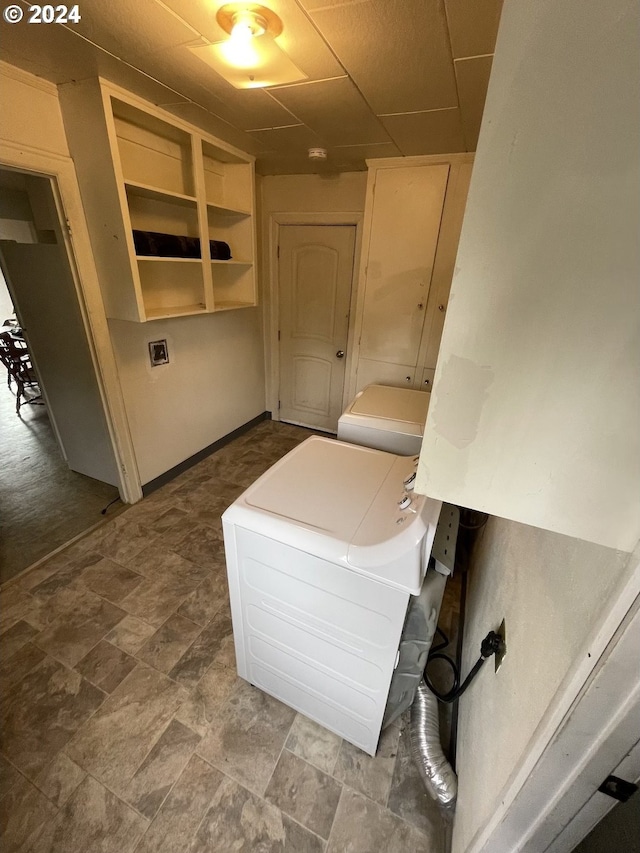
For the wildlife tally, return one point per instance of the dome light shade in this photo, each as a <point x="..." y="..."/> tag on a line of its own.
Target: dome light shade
<point x="250" y="58"/>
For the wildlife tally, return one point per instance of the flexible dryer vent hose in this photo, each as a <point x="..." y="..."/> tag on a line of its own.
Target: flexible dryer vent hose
<point x="438" y="776"/>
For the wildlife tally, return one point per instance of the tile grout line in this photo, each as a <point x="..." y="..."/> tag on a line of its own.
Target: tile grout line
<point x="188" y="693"/>
<point x="259" y="797"/>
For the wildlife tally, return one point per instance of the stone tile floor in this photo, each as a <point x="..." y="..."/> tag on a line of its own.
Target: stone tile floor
<point x="123" y="725"/>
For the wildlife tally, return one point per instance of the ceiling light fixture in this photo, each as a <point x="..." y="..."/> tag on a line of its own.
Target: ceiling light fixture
<point x="250" y="58"/>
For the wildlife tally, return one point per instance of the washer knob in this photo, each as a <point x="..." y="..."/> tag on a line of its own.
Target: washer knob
<point x="404" y="502"/>
<point x="410" y="481"/>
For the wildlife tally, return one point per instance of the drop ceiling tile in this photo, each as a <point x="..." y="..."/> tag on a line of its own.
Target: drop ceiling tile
<point x="69" y="56"/>
<point x="473" y="26"/>
<point x="199" y="14"/>
<point x="137" y="26"/>
<point x="396" y="51"/>
<point x="199" y="83"/>
<point x="347" y="158"/>
<point x="364" y="152"/>
<point x="299" y="39"/>
<point x="473" y="79"/>
<point x="334" y="109"/>
<point x="130" y="78"/>
<point x="253" y="108"/>
<point x="285" y="164"/>
<point x="434" y="132"/>
<point x="54" y="48"/>
<point x="196" y="115"/>
<point x="316" y="5"/>
<point x="296" y="139"/>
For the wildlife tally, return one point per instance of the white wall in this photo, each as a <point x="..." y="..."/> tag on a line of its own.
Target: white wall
<point x="213" y="383"/>
<point x="535" y="411"/>
<point x="312" y="193"/>
<point x="6" y="305"/>
<point x="550" y="589"/>
<point x="30" y="111"/>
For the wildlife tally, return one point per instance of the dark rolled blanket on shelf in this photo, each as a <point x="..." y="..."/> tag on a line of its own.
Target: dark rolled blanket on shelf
<point x="157" y="245"/>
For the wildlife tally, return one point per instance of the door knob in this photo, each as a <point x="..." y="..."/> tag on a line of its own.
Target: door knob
<point x="340" y="353"/>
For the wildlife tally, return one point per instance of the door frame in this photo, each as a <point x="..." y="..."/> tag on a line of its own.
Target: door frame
<point x="60" y="171"/>
<point x="272" y="295"/>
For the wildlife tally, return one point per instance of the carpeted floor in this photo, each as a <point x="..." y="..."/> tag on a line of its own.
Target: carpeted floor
<point x="42" y="503"/>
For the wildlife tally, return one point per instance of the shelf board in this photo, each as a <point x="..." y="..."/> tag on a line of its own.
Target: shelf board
<point x="230" y="305"/>
<point x="234" y="263"/>
<point x="158" y="259"/>
<point x="146" y="191"/>
<point x="225" y="210"/>
<point x="174" y="311"/>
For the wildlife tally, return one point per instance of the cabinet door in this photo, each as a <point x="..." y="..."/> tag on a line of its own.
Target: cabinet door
<point x="453" y="212"/>
<point x="384" y="373"/>
<point x="407" y="209"/>
<point x="426" y="381"/>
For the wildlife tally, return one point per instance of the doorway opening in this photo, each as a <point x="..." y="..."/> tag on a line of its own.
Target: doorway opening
<point x="59" y="468"/>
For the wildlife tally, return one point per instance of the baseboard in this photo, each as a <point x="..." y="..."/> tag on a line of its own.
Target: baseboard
<point x="172" y="473"/>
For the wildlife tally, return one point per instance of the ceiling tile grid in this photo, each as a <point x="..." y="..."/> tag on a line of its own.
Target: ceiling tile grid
<point x="383" y="77"/>
<point x="334" y="109"/>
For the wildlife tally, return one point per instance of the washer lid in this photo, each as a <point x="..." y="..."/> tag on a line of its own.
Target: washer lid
<point x="324" y="485"/>
<point x="384" y="407"/>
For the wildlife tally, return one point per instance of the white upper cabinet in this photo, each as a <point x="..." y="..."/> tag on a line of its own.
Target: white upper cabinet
<point x="413" y="215"/>
<point x="535" y="409"/>
<point x="402" y="246"/>
<point x="141" y="170"/>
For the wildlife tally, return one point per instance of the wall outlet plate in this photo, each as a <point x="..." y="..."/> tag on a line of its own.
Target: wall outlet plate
<point x="499" y="656"/>
<point x="158" y="353"/>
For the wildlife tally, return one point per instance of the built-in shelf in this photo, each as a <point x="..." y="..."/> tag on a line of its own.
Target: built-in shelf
<point x="175" y="311"/>
<point x="163" y="260"/>
<point x="229" y="305"/>
<point x="145" y="191"/>
<point x="161" y="175"/>
<point x="221" y="210"/>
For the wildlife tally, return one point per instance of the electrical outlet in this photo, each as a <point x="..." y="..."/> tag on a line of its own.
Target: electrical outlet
<point x="158" y="353"/>
<point x="499" y="655"/>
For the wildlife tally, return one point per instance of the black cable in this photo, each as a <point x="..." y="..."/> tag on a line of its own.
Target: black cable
<point x="104" y="511"/>
<point x="491" y="644"/>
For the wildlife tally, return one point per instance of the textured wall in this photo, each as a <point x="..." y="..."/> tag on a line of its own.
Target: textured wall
<point x="550" y="589"/>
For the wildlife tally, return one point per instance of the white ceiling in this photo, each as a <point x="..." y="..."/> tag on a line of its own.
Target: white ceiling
<point x="385" y="77"/>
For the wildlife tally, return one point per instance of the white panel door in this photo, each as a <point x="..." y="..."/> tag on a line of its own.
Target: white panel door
<point x="315" y="275"/>
<point x="46" y="303"/>
<point x="407" y="210"/>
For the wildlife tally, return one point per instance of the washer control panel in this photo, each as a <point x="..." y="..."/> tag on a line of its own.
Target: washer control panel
<point x="406" y="502"/>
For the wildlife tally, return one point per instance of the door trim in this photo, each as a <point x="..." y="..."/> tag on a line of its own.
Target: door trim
<point x="61" y="172"/>
<point x="272" y="295"/>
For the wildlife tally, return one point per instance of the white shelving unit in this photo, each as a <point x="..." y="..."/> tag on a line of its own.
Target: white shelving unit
<point x="141" y="169"/>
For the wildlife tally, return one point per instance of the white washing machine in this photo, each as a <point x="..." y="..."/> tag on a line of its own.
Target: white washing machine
<point x="386" y="418"/>
<point x="324" y="552"/>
